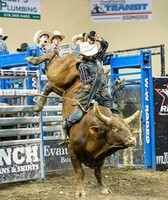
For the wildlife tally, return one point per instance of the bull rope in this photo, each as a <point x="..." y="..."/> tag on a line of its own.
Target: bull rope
<point x="42" y="95"/>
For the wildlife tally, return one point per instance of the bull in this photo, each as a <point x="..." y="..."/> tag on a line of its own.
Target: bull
<point x="98" y="134"/>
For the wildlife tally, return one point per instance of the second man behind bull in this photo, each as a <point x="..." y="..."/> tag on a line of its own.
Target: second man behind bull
<point x="55" y="42"/>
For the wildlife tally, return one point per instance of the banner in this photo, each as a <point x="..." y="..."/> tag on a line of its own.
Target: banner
<point x="120" y="10"/>
<point x="161" y="121"/>
<point x="56" y="158"/>
<point x="24" y="9"/>
<point x="20" y="162"/>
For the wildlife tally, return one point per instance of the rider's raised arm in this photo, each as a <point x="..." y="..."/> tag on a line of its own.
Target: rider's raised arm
<point x="102" y="50"/>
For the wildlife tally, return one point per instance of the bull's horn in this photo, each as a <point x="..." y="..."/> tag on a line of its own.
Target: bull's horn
<point x="99" y="115"/>
<point x="132" y="117"/>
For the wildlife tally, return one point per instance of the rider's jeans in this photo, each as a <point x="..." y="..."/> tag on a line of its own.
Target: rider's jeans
<point x="74" y="118"/>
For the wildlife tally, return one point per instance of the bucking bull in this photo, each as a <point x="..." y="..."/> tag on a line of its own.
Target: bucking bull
<point x="98" y="134"/>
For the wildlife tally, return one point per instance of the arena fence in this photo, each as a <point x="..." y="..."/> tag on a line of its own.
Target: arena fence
<point x="156" y="50"/>
<point x="138" y="69"/>
<point x="21" y="133"/>
<point x="25" y="132"/>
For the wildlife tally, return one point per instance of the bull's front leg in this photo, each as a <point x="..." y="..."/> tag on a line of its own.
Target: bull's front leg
<point x="80" y="191"/>
<point x="98" y="175"/>
<point x="41" y="101"/>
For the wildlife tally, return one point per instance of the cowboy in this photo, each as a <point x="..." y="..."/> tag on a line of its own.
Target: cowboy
<point x="41" y="39"/>
<point x="94" y="82"/>
<point x="3" y="46"/>
<point x="55" y="42"/>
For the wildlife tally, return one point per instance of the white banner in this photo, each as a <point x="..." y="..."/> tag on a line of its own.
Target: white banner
<point x="24" y="9"/>
<point x="120" y="10"/>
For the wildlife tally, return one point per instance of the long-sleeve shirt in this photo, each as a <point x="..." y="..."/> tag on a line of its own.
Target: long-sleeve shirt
<point x="101" y="52"/>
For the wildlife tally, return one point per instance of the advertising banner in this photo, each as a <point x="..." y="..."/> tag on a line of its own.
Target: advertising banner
<point x="120" y="10"/>
<point x="20" y="162"/>
<point x="56" y="158"/>
<point x="161" y="122"/>
<point x="24" y="9"/>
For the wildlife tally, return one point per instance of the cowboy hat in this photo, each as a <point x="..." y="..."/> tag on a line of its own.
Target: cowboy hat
<point x="23" y="47"/>
<point x="88" y="49"/>
<point x="40" y="33"/>
<point x="76" y="37"/>
<point x="4" y="36"/>
<point x="57" y="33"/>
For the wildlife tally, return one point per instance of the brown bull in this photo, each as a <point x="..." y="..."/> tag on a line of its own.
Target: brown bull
<point x="98" y="134"/>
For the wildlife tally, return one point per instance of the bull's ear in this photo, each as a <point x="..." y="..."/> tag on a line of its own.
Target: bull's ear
<point x="134" y="131"/>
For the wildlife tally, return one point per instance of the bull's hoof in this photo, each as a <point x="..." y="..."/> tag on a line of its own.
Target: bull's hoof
<point x="80" y="193"/>
<point x="38" y="108"/>
<point x="31" y="60"/>
<point x="105" y="190"/>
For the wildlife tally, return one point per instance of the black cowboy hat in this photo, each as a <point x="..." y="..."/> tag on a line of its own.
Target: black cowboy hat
<point x="4" y="37"/>
<point x="23" y="47"/>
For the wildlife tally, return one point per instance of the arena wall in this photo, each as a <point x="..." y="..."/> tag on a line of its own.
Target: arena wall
<point x="73" y="17"/>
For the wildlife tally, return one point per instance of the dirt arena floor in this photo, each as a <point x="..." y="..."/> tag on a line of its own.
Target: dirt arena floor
<point x="125" y="184"/>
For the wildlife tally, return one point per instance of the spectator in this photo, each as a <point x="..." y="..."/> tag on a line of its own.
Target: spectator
<point x="3" y="46"/>
<point x="41" y="39"/>
<point x="55" y="42"/>
<point x="76" y="41"/>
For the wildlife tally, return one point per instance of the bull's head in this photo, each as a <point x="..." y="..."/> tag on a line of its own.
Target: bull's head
<point x="119" y="133"/>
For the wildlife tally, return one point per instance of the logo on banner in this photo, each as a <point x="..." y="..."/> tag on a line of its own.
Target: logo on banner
<point x="163" y="92"/>
<point x="119" y="10"/>
<point x="60" y="153"/>
<point x="147" y="110"/>
<point x="19" y="159"/>
<point x="25" y="9"/>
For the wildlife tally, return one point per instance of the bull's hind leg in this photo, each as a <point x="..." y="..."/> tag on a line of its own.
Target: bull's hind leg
<point x="98" y="175"/>
<point x="80" y="191"/>
<point x="41" y="101"/>
<point x="37" y="60"/>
